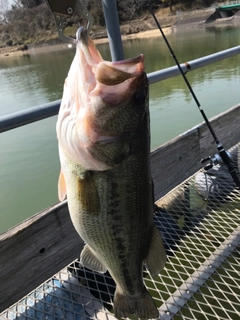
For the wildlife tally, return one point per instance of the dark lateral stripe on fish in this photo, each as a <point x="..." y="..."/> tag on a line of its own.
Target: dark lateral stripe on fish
<point x="123" y="263"/>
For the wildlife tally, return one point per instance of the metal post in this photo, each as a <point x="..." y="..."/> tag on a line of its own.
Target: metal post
<point x="113" y="29"/>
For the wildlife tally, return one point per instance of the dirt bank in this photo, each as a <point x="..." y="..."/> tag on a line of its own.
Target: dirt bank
<point x="144" y="27"/>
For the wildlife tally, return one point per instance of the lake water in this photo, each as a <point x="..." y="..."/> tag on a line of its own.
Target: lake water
<point x="29" y="164"/>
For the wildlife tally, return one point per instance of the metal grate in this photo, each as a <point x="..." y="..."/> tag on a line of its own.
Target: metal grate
<point x="200" y="227"/>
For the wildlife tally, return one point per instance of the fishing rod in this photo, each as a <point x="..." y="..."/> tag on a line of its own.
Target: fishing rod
<point x="224" y="155"/>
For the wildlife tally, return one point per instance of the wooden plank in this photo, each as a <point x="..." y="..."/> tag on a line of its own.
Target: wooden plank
<point x="179" y="158"/>
<point x="174" y="162"/>
<point x="33" y="251"/>
<point x="227" y="128"/>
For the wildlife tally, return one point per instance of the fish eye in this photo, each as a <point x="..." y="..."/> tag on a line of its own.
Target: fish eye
<point x="139" y="97"/>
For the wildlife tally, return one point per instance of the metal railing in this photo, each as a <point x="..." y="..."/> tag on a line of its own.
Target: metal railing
<point x="47" y="110"/>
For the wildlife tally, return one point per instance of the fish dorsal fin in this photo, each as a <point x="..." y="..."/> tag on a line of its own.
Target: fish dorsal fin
<point x="62" y="189"/>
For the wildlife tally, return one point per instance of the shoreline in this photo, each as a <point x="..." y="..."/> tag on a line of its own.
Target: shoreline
<point x="64" y="46"/>
<point x="147" y="27"/>
<point x="141" y="28"/>
<point x="142" y="34"/>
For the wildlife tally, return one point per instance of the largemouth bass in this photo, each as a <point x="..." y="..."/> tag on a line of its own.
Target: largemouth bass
<point x="104" y="148"/>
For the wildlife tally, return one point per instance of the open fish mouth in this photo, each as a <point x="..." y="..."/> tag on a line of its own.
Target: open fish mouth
<point x="98" y="71"/>
<point x="102" y="103"/>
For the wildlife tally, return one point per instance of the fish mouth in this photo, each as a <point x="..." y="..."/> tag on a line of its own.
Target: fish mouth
<point x="100" y="72"/>
<point x="100" y="106"/>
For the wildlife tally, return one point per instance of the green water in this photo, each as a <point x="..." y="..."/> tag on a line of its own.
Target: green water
<point x="29" y="164"/>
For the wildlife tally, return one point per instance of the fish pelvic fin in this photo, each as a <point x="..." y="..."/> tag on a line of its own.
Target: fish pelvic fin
<point x="89" y="260"/>
<point x="156" y="257"/>
<point x="142" y="305"/>
<point x="62" y="189"/>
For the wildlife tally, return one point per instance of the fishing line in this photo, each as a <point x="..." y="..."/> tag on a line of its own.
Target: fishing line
<point x="222" y="152"/>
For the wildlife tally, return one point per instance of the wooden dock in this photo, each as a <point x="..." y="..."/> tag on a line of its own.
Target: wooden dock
<point x="39" y="252"/>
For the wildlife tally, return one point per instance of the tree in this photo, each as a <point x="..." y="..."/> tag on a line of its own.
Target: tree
<point x="128" y="9"/>
<point x="169" y="2"/>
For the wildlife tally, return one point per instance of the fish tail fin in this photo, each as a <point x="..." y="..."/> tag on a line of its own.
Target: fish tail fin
<point x="142" y="305"/>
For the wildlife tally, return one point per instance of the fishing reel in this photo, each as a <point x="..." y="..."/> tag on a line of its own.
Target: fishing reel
<point x="217" y="159"/>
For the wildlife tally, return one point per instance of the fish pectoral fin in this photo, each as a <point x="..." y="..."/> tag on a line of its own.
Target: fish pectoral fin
<point x="88" y="194"/>
<point x="156" y="257"/>
<point x="89" y="260"/>
<point x="62" y="189"/>
<point x="142" y="305"/>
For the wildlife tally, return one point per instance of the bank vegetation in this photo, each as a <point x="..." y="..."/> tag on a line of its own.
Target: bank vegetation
<point x="31" y="21"/>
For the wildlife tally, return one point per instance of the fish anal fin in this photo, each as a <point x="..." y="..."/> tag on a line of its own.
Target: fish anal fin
<point x="62" y="189"/>
<point x="142" y="305"/>
<point x="89" y="260"/>
<point x="156" y="257"/>
<point x="87" y="194"/>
